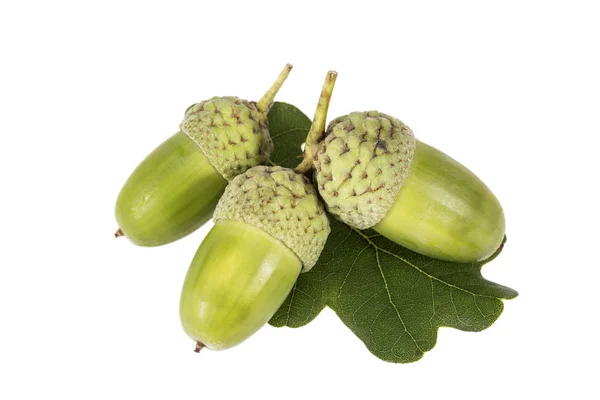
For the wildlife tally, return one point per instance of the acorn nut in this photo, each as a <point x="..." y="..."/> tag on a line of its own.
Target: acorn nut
<point x="371" y="172"/>
<point x="175" y="189"/>
<point x="269" y="226"/>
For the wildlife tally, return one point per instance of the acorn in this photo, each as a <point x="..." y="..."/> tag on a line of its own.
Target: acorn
<point x="175" y="189"/>
<point x="371" y="172"/>
<point x="269" y="226"/>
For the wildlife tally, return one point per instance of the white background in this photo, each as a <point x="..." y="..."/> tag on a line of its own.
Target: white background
<point x="87" y="89"/>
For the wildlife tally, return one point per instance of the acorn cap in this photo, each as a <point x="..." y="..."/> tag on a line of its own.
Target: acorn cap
<point x="282" y="203"/>
<point x="361" y="164"/>
<point x="233" y="133"/>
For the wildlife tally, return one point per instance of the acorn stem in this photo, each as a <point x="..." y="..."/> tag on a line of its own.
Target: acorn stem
<point x="265" y="102"/>
<point x="317" y="129"/>
<point x="119" y="233"/>
<point x="199" y="346"/>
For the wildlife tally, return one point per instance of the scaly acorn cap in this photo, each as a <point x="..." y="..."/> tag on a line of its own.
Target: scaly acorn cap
<point x="282" y="203"/>
<point x="361" y="164"/>
<point x="233" y="133"/>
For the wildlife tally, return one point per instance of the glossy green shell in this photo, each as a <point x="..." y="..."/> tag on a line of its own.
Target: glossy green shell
<point x="170" y="194"/>
<point x="444" y="211"/>
<point x="237" y="280"/>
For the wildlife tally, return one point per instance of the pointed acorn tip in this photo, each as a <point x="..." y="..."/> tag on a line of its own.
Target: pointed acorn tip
<point x="119" y="233"/>
<point x="199" y="346"/>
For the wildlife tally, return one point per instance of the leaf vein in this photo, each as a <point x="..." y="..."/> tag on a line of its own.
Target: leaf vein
<point x="392" y="302"/>
<point x="350" y="270"/>
<point x="290" y="304"/>
<point x="377" y="248"/>
<point x="275" y="136"/>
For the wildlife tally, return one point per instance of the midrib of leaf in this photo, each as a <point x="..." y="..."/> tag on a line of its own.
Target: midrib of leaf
<point x="431" y="277"/>
<point x="387" y="290"/>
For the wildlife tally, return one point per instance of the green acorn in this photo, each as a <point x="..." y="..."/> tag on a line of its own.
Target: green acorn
<point x="269" y="226"/>
<point x="372" y="173"/>
<point x="175" y="189"/>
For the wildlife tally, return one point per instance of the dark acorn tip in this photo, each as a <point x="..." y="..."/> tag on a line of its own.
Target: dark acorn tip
<point x="119" y="233"/>
<point x="199" y="346"/>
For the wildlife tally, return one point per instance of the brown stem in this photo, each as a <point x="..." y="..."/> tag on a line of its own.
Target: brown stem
<point x="119" y="233"/>
<point x="199" y="346"/>
<point x="317" y="129"/>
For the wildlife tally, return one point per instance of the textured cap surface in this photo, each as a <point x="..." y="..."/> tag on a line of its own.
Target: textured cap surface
<point x="283" y="204"/>
<point x="232" y="133"/>
<point x="361" y="165"/>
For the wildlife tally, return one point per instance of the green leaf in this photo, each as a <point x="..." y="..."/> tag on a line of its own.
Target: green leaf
<point x="288" y="127"/>
<point x="393" y="299"/>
